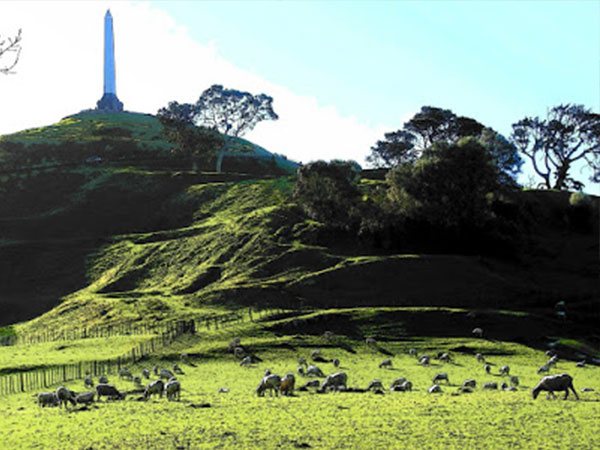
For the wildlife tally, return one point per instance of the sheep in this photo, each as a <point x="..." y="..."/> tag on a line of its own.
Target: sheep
<point x="334" y="381"/>
<point x="477" y="332"/>
<point x="313" y="383"/>
<point x="552" y="361"/>
<point x="315" y="354"/>
<point x="371" y="342"/>
<point x="223" y="390"/>
<point x="328" y="335"/>
<point x="156" y="387"/>
<point x="580" y="364"/>
<point x="302" y="361"/>
<point x="47" y="399"/>
<point x="490" y="385"/>
<point x="287" y="384"/>
<point x="397" y="382"/>
<point x="552" y="383"/>
<point x="504" y="385"/>
<point x="504" y="370"/>
<point x="177" y="369"/>
<point x="445" y="357"/>
<point x="300" y="370"/>
<point x="88" y="381"/>
<point x="267" y="372"/>
<point x="146" y="373"/>
<point x="125" y="373"/>
<point x="166" y="374"/>
<point x="336" y="362"/>
<point x="510" y="389"/>
<point x="314" y="371"/>
<point x="441" y="376"/>
<point x="271" y="382"/>
<point x="173" y="390"/>
<point x="376" y="385"/>
<point x="587" y="389"/>
<point x="424" y="360"/>
<point x="412" y="352"/>
<point x="404" y="387"/>
<point x="480" y="358"/>
<point x="103" y="379"/>
<point x="385" y="363"/>
<point x="108" y="390"/>
<point x="487" y="368"/>
<point x="64" y="395"/>
<point x="544" y="368"/>
<point x="514" y="380"/>
<point x="137" y="380"/>
<point x="435" y="389"/>
<point x="239" y="352"/>
<point x="246" y="361"/>
<point x="86" y="398"/>
<point x="550" y="353"/>
<point x="470" y="383"/>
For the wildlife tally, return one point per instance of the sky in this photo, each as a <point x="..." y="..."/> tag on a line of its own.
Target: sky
<point x="342" y="73"/>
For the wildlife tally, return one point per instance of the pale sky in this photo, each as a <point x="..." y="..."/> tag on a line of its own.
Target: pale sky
<point x="341" y="73"/>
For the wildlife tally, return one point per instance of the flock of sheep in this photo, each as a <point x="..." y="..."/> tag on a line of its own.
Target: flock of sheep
<point x="167" y="383"/>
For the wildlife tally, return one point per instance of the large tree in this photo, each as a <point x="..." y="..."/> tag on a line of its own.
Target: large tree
<point x="232" y="112"/>
<point x="10" y="50"/>
<point x="568" y="135"/>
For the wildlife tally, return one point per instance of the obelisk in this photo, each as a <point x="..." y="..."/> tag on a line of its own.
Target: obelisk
<point x="109" y="100"/>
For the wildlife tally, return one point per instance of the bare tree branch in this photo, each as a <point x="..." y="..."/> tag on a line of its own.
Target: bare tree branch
<point x="10" y="45"/>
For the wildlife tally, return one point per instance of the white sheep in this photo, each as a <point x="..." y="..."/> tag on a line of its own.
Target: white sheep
<point x="155" y="387"/>
<point x="441" y="376"/>
<point x="247" y="361"/>
<point x="397" y="382"/>
<point x="85" y="398"/>
<point x="514" y="380"/>
<point x="511" y="389"/>
<point x="544" y="368"/>
<point x="404" y="387"/>
<point x="504" y="370"/>
<point x="445" y="357"/>
<point x="137" y="380"/>
<point x="125" y="373"/>
<point x="490" y="385"/>
<point x="314" y="371"/>
<point x="480" y="358"/>
<point x="47" y="399"/>
<point x="424" y="360"/>
<point x="288" y="382"/>
<point x="504" y="385"/>
<point x="166" y="374"/>
<point x="552" y="383"/>
<point x="315" y="354"/>
<point x="371" y="342"/>
<point x="300" y="370"/>
<point x="88" y="381"/>
<point x="487" y="368"/>
<point x="552" y="361"/>
<point x="173" y="390"/>
<point x="146" y="373"/>
<point x="302" y="361"/>
<point x="477" y="332"/>
<point x="580" y="364"/>
<point x="103" y="379"/>
<point x="334" y="381"/>
<point x="435" y="389"/>
<point x="385" y="363"/>
<point x="412" y="352"/>
<point x="313" y="383"/>
<point x="177" y="369"/>
<point x="375" y="385"/>
<point x="108" y="390"/>
<point x="587" y="389"/>
<point x="470" y="383"/>
<point x="271" y="382"/>
<point x="64" y="395"/>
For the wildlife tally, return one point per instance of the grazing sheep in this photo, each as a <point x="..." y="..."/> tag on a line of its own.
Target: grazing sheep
<point x="580" y="364"/>
<point x="313" y="383"/>
<point x="88" y="381"/>
<point x="440" y="377"/>
<point x="504" y="385"/>
<point x="397" y="382"/>
<point x="47" y="399"/>
<point x="552" y="383"/>
<point x="328" y="335"/>
<point x="480" y="358"/>
<point x="334" y="381"/>
<point x="64" y="395"/>
<point x="246" y="361"/>
<point x="146" y="373"/>
<point x="510" y="389"/>
<point x="173" y="390"/>
<point x="385" y="363"/>
<point x="223" y="390"/>
<point x="137" y="380"/>
<point x="504" y="370"/>
<point x="424" y="360"/>
<point x="125" y="373"/>
<point x="404" y="387"/>
<point x="376" y="385"/>
<point x="587" y="389"/>
<point x="544" y="368"/>
<point x="287" y="384"/>
<point x="435" y="389"/>
<point x="552" y="361"/>
<point x="477" y="332"/>
<point x="550" y="353"/>
<point x="487" y="368"/>
<point x="302" y="361"/>
<point x="445" y="357"/>
<point x="514" y="380"/>
<point x="490" y="385"/>
<point x="108" y="390"/>
<point x="371" y="342"/>
<point x="156" y="387"/>
<point x="336" y="362"/>
<point x="86" y="398"/>
<point x="300" y="370"/>
<point x="267" y="373"/>
<point x="315" y="354"/>
<point x="271" y="382"/>
<point x="470" y="383"/>
<point x="239" y="352"/>
<point x="166" y="374"/>
<point x="314" y="371"/>
<point x="177" y="369"/>
<point x="412" y="352"/>
<point x="103" y="379"/>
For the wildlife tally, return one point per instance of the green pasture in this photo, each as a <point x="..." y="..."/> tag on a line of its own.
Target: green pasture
<point x="205" y="418"/>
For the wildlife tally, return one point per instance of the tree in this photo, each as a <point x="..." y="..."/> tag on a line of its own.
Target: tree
<point x="570" y="133"/>
<point x="448" y="186"/>
<point x="232" y="112"/>
<point x="397" y="148"/>
<point x="10" y="46"/>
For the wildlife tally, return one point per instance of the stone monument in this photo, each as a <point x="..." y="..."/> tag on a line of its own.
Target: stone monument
<point x="109" y="101"/>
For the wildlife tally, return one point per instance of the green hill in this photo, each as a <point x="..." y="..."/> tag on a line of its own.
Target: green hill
<point x="138" y="236"/>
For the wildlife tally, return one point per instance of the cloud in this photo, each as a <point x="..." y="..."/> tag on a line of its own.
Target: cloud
<point x="157" y="61"/>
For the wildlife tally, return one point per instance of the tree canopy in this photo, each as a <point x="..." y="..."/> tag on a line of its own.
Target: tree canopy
<point x="570" y="133"/>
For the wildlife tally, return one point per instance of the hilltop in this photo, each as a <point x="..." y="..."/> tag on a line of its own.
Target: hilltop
<point x="100" y="224"/>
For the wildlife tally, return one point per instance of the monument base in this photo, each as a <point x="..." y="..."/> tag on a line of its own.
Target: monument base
<point x="110" y="103"/>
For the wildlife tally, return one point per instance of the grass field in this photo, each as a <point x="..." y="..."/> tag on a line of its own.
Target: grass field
<point x="205" y="418"/>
